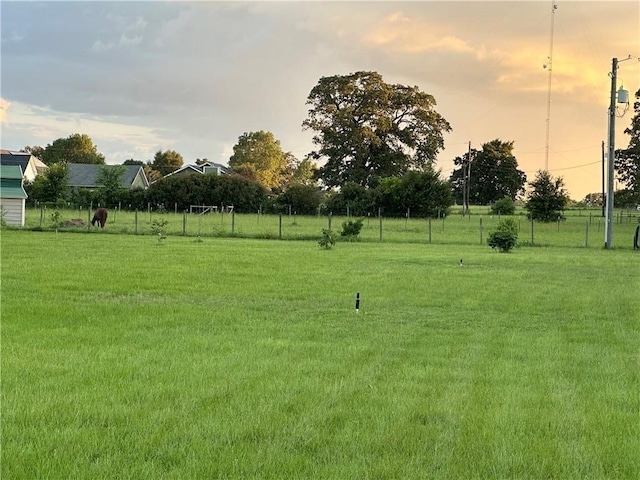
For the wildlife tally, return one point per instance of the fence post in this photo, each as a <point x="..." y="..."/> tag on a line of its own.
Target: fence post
<point x="532" y="232"/>
<point x="184" y="223"/>
<point x="233" y="223"/>
<point x="586" y="234"/>
<point x="329" y="219"/>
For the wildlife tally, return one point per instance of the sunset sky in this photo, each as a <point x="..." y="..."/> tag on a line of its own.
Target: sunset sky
<point x="138" y="77"/>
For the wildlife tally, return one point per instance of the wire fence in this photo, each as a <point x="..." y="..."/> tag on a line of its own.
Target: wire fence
<point x="578" y="229"/>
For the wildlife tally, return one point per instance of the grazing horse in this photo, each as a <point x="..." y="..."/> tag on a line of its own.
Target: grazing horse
<point x="100" y="216"/>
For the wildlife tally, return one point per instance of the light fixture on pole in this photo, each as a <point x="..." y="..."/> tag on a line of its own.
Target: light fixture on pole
<point x="622" y="97"/>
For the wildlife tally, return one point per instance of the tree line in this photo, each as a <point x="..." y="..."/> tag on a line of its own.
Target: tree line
<point x="375" y="148"/>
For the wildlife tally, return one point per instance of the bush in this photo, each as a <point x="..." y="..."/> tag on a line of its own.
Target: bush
<point x="351" y="229"/>
<point x="505" y="237"/>
<point x="327" y="241"/>
<point x="504" y="206"/>
<point x="303" y="199"/>
<point x="158" y="228"/>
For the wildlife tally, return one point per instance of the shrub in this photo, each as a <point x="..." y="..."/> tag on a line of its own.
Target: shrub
<point x="303" y="199"/>
<point x="351" y="229"/>
<point x="504" y="206"/>
<point x="505" y="237"/>
<point x="158" y="227"/>
<point x="327" y="241"/>
<point x="55" y="218"/>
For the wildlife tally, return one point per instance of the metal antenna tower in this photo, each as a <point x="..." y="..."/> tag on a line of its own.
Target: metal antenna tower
<point x="549" y="67"/>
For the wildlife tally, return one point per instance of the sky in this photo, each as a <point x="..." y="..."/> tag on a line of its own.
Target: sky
<point x="139" y="77"/>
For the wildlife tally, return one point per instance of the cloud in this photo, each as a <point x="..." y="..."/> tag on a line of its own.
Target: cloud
<point x="399" y="33"/>
<point x="194" y="76"/>
<point x="4" y="106"/>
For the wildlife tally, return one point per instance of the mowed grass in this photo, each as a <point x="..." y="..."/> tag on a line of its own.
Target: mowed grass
<point x="243" y="358"/>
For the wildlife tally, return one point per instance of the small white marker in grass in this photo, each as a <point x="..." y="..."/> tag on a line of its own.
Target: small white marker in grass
<point x="357" y="302"/>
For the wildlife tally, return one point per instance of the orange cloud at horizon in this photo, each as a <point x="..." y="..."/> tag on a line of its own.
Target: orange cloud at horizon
<point x="4" y="106"/>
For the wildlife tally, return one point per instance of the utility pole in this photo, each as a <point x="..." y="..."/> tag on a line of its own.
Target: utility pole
<point x="469" y="180"/>
<point x="603" y="194"/>
<point x="466" y="184"/>
<point x="612" y="134"/>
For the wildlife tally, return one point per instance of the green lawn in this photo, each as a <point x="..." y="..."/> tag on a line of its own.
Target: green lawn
<point x="123" y="357"/>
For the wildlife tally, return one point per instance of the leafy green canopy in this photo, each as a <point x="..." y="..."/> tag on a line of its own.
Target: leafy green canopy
<point x="494" y="174"/>
<point x="110" y="183"/>
<point x="51" y="186"/>
<point x="75" y="148"/>
<point x="547" y="199"/>
<point x="627" y="162"/>
<point x="259" y="157"/>
<point x="367" y="129"/>
<point x="219" y="190"/>
<point x="166" y="162"/>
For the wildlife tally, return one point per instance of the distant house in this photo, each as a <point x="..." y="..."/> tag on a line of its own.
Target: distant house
<point x="12" y="194"/>
<point x="83" y="175"/>
<point x="30" y="165"/>
<point x="205" y="168"/>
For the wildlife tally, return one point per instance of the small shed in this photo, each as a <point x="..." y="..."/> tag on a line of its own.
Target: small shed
<point x="12" y="195"/>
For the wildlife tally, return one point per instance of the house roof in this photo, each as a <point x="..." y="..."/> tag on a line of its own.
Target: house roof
<point x="201" y="169"/>
<point x="22" y="159"/>
<point x="11" y="182"/>
<point x="83" y="175"/>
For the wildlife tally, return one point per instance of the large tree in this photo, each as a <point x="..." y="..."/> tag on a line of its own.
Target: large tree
<point x="304" y="173"/>
<point x="76" y="148"/>
<point x="259" y="157"/>
<point x="547" y="198"/>
<point x="166" y="162"/>
<point x="367" y="129"/>
<point x="627" y="162"/>
<point x="494" y="174"/>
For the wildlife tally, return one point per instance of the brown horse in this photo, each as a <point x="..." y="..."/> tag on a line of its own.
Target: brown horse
<point x="100" y="216"/>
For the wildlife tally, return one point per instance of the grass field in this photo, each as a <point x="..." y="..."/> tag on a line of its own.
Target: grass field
<point x="234" y="358"/>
